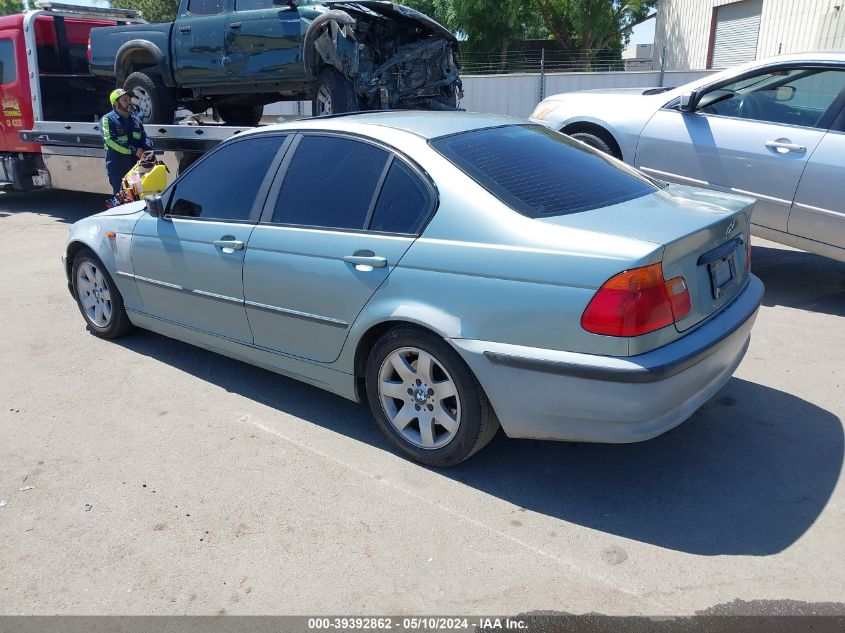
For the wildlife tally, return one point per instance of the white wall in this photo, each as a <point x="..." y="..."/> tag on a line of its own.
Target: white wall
<point x="518" y="94"/>
<point x="786" y="26"/>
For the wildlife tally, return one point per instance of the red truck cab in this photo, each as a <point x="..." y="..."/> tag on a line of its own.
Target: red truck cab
<point x="44" y="76"/>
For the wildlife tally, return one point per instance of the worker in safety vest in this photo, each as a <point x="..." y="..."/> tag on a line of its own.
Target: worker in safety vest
<point x="124" y="138"/>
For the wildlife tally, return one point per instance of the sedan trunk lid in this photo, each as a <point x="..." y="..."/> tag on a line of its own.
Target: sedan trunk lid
<point x="704" y="234"/>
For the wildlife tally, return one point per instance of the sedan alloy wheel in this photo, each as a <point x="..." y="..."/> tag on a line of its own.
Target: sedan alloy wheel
<point x="93" y="294"/>
<point x="419" y="398"/>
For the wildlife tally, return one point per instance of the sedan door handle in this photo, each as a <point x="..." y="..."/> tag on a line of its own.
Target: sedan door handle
<point x="235" y="25"/>
<point x="374" y="261"/>
<point x="784" y="146"/>
<point x="229" y="246"/>
<point x="185" y="29"/>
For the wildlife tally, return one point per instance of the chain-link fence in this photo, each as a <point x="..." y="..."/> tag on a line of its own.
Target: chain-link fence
<point x="549" y="60"/>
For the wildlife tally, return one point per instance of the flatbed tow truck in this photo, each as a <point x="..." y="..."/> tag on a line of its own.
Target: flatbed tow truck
<point x="51" y="105"/>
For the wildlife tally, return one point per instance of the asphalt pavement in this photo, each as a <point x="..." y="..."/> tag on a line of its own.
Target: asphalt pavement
<point x="146" y="476"/>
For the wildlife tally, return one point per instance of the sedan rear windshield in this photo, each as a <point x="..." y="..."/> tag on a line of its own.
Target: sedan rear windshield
<point x="539" y="172"/>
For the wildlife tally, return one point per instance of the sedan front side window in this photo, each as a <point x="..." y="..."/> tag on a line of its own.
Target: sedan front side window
<point x="224" y="184"/>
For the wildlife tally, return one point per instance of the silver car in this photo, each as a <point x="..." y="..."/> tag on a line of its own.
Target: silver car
<point x="458" y="272"/>
<point x="772" y="129"/>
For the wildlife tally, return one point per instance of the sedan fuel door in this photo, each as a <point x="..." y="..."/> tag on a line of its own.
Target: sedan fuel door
<point x="264" y="41"/>
<point x="188" y="265"/>
<point x="341" y="215"/>
<point x="752" y="136"/>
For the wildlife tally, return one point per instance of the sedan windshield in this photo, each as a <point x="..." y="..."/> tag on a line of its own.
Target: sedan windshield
<point x="539" y="172"/>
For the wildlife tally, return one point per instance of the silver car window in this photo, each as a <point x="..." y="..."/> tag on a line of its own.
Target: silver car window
<point x="330" y="183"/>
<point x="223" y="185"/>
<point x="798" y="96"/>
<point x="542" y="173"/>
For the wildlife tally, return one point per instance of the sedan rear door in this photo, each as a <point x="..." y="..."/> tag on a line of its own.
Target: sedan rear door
<point x="341" y="215"/>
<point x="753" y="136"/>
<point x="818" y="212"/>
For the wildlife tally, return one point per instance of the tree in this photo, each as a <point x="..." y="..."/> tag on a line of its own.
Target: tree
<point x="487" y="25"/>
<point x="151" y="10"/>
<point x="8" y="7"/>
<point x="590" y="26"/>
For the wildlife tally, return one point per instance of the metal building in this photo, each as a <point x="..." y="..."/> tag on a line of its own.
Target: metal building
<point x="698" y="34"/>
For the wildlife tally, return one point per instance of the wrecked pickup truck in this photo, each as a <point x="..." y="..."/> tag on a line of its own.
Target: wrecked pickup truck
<point x="239" y="55"/>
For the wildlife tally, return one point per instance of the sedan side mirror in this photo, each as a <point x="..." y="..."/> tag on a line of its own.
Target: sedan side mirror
<point x="688" y="101"/>
<point x="155" y="207"/>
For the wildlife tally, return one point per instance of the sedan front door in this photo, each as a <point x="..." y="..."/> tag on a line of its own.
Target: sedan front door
<point x="344" y="215"/>
<point x="753" y="136"/>
<point x="188" y="265"/>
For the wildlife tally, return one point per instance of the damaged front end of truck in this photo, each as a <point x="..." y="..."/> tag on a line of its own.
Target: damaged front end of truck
<point x="392" y="56"/>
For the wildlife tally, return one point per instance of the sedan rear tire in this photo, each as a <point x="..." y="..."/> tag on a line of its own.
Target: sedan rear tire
<point x="426" y="400"/>
<point x="97" y="296"/>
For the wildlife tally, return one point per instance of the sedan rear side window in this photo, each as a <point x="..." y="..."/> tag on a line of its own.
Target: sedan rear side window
<point x="224" y="184"/>
<point x="539" y="172"/>
<point x="403" y="203"/>
<point x="330" y="183"/>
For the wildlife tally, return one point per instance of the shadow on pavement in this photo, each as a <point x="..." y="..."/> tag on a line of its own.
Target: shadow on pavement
<point x="800" y="280"/>
<point x="67" y="206"/>
<point x="748" y="474"/>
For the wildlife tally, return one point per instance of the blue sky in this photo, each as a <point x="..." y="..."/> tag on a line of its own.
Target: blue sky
<point x="643" y="33"/>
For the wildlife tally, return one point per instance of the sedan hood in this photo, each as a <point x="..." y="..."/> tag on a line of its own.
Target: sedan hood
<point x="124" y="209"/>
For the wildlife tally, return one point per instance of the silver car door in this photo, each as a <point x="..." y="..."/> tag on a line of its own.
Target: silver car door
<point x="340" y="216"/>
<point x="189" y="264"/>
<point x="818" y="212"/>
<point x="753" y="136"/>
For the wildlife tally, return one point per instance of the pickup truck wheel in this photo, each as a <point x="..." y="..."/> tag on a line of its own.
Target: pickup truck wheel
<point x="333" y="94"/>
<point x="155" y="100"/>
<point x="241" y="115"/>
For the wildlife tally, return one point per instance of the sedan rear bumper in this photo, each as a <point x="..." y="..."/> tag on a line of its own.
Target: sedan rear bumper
<point x="554" y="395"/>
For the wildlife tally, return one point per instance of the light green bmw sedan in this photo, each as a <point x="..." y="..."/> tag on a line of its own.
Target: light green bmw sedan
<point x="459" y="272"/>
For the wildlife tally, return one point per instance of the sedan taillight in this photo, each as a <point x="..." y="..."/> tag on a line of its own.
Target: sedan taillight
<point x="636" y="302"/>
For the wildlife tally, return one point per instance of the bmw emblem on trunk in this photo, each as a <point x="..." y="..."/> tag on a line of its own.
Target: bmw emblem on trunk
<point x="730" y="228"/>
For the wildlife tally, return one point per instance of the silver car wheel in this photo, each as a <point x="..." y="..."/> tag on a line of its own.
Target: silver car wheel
<point x="324" y="100"/>
<point x="93" y="294"/>
<point x="419" y="398"/>
<point x="144" y="103"/>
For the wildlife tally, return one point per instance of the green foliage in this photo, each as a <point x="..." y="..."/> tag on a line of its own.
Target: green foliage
<point x="593" y="25"/>
<point x="487" y="25"/>
<point x="151" y="10"/>
<point x="8" y="7"/>
<point x="585" y="26"/>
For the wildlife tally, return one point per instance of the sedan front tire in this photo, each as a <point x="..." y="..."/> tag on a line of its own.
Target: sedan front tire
<point x="97" y="296"/>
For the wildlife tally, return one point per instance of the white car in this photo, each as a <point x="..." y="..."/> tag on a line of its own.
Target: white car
<point x="773" y="129"/>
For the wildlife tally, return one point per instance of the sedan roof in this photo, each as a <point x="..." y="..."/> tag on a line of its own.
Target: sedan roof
<point x="426" y="124"/>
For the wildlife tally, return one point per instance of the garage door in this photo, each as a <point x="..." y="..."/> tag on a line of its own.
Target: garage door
<point x="737" y="28"/>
